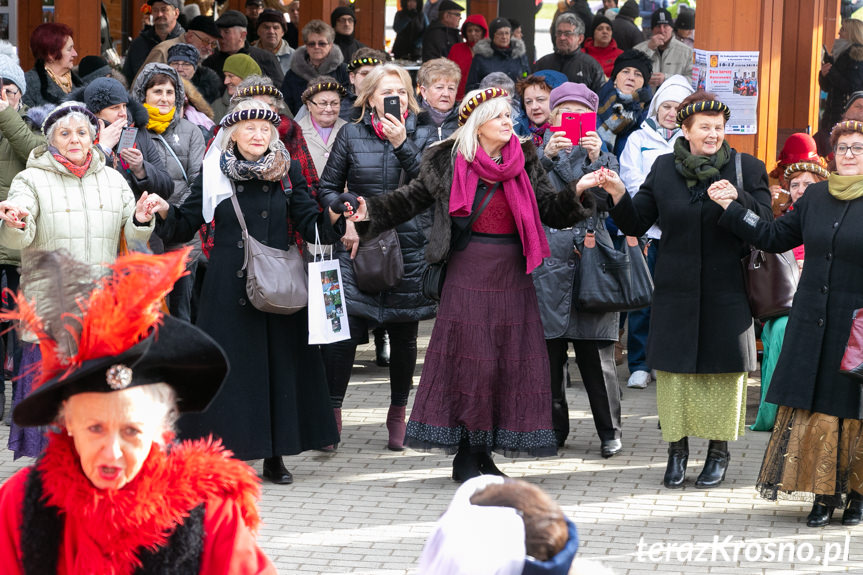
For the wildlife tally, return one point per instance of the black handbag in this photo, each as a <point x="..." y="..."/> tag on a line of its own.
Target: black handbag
<point x="379" y="265"/>
<point x="771" y="282"/>
<point x="435" y="274"/>
<point x="612" y="280"/>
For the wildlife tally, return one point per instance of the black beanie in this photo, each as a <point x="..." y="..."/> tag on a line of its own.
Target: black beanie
<point x="341" y="11"/>
<point x="600" y="19"/>
<point x="629" y="9"/>
<point x="633" y="59"/>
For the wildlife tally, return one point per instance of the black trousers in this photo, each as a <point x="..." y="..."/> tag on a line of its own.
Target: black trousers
<point x="339" y="359"/>
<point x="595" y="360"/>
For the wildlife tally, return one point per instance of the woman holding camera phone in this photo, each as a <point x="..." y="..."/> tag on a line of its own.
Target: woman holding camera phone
<point x="373" y="156"/>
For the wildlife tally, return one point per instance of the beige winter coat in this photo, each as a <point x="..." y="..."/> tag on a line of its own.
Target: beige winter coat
<point x="83" y="216"/>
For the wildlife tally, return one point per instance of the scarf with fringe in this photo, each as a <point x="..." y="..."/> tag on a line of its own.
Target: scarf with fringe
<point x="271" y="167"/>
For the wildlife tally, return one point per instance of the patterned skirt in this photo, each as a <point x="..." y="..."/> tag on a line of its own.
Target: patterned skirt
<point x="707" y="405"/>
<point x="26" y="441"/>
<point x="486" y="379"/>
<point x="812" y="453"/>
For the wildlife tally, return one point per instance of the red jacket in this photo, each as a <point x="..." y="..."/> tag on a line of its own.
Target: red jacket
<point x="605" y="56"/>
<point x="462" y="53"/>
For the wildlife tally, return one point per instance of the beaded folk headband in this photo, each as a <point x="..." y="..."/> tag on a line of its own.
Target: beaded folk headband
<point x="703" y="106"/>
<point x="360" y="62"/>
<point x="253" y="114"/>
<point x="806" y="167"/>
<point x="469" y="106"/>
<point x="324" y="87"/>
<point x="258" y="90"/>
<point x="852" y="125"/>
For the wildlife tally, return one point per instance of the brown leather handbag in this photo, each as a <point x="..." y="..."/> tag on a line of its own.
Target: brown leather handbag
<point x="378" y="265"/>
<point x="852" y="360"/>
<point x="771" y="282"/>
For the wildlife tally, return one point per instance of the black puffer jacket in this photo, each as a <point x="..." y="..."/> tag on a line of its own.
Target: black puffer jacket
<point x="372" y="167"/>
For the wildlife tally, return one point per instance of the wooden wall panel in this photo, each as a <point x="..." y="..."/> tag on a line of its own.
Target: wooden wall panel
<point x="371" y="22"/>
<point x="749" y="25"/>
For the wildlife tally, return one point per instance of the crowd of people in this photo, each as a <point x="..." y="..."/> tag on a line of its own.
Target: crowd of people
<point x="256" y="127"/>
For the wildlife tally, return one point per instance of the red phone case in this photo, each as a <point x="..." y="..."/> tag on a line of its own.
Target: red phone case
<point x="576" y="125"/>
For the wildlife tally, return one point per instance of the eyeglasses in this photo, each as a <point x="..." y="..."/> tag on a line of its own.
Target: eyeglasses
<point x="182" y="64"/>
<point x="209" y="43"/>
<point x="842" y="149"/>
<point x="567" y="33"/>
<point x="324" y="105"/>
<point x="318" y="44"/>
<point x="346" y="20"/>
<point x="11" y="92"/>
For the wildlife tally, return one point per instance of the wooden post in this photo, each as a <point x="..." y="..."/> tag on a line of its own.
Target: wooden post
<point x="371" y="23"/>
<point x="316" y="10"/>
<point x="84" y="17"/>
<point x="749" y="25"/>
<point x="487" y="8"/>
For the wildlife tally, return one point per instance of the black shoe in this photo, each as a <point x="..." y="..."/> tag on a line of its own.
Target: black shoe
<point x="715" y="465"/>
<point x="486" y="465"/>
<point x="382" y="348"/>
<point x="275" y="471"/>
<point x="675" y="471"/>
<point x="561" y="437"/>
<point x="610" y="447"/>
<point x="854" y="512"/>
<point x="465" y="465"/>
<point x="821" y="512"/>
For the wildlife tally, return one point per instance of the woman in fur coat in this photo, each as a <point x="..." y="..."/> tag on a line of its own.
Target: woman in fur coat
<point x="485" y="384"/>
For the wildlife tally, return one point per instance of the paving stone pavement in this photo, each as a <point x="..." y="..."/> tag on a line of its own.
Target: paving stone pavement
<point x="366" y="510"/>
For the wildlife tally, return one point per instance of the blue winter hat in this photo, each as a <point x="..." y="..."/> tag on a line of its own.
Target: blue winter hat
<point x="552" y="77"/>
<point x="184" y="53"/>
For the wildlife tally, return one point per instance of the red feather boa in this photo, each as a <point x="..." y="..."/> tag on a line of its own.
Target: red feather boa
<point x="108" y="526"/>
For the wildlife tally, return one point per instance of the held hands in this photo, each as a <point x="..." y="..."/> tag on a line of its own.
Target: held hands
<point x="362" y="213"/>
<point x="346" y="203"/>
<point x="351" y="239"/>
<point x="13" y="215"/>
<point x="722" y="192"/>
<point x="603" y="178"/>
<point x="394" y="130"/>
<point x="148" y="205"/>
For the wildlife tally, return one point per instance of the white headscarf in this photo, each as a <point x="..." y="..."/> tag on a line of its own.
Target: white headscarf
<point x="675" y="88"/>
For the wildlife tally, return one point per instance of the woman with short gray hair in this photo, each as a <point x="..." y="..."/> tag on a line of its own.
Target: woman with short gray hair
<point x="315" y="58"/>
<point x="67" y="198"/>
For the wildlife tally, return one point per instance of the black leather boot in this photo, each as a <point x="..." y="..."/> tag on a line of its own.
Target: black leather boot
<point x="382" y="347"/>
<point x="465" y="465"/>
<point x="854" y="511"/>
<point x="821" y="512"/>
<point x="275" y="471"/>
<point x="715" y="465"/>
<point x="678" y="456"/>
<point x="486" y="465"/>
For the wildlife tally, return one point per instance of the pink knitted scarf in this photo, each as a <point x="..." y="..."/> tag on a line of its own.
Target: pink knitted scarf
<point x="516" y="188"/>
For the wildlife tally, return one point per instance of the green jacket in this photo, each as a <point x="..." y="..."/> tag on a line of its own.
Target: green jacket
<point x="16" y="142"/>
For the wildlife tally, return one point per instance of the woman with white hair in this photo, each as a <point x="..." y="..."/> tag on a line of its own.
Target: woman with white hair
<point x="275" y="400"/>
<point x="67" y="198"/>
<point x="485" y="383"/>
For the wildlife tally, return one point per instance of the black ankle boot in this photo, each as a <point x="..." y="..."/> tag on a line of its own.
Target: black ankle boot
<point x="486" y="465"/>
<point x="275" y="471"/>
<point x="675" y="471"/>
<point x="854" y="511"/>
<point x="715" y="465"/>
<point x="382" y="347"/>
<point x="821" y="512"/>
<point x="465" y="465"/>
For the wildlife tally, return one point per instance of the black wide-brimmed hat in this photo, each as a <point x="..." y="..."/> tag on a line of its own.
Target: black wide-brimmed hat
<point x="111" y="353"/>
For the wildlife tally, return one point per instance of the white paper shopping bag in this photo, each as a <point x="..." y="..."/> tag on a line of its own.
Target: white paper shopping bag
<point x="328" y="314"/>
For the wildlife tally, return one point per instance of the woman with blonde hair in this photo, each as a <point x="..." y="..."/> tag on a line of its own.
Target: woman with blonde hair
<point x="373" y="156"/>
<point x="485" y="383"/>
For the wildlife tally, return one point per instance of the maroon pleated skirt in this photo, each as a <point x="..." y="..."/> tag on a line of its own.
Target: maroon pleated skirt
<point x="486" y="376"/>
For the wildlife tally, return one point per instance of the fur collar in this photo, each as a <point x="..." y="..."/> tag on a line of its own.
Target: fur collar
<point x="301" y="66"/>
<point x="110" y="526"/>
<point x="485" y="48"/>
<point x="196" y="99"/>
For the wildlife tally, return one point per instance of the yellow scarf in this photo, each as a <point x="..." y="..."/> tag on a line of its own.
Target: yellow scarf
<point x="845" y="188"/>
<point x="159" y="122"/>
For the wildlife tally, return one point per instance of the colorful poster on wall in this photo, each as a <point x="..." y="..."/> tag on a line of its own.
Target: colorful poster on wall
<point x="733" y="77"/>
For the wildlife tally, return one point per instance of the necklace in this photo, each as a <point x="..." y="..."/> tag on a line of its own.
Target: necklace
<point x="64" y="80"/>
<point x="497" y="159"/>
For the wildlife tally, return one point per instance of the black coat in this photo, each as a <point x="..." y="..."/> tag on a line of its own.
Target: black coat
<point x="625" y="33"/>
<point x="275" y="400"/>
<point x="297" y="78"/>
<point x="438" y="39"/>
<point x="348" y="45"/>
<point x="700" y="321"/>
<point x="140" y="48"/>
<point x="830" y="289"/>
<point x="488" y="58"/>
<point x="577" y="67"/>
<point x="370" y="167"/>
<point x="438" y="133"/>
<point x="844" y="78"/>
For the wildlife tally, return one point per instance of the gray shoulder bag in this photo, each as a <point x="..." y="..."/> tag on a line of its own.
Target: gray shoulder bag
<point x="276" y="280"/>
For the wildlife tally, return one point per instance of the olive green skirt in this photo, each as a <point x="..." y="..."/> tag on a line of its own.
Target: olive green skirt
<point x="710" y="405"/>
